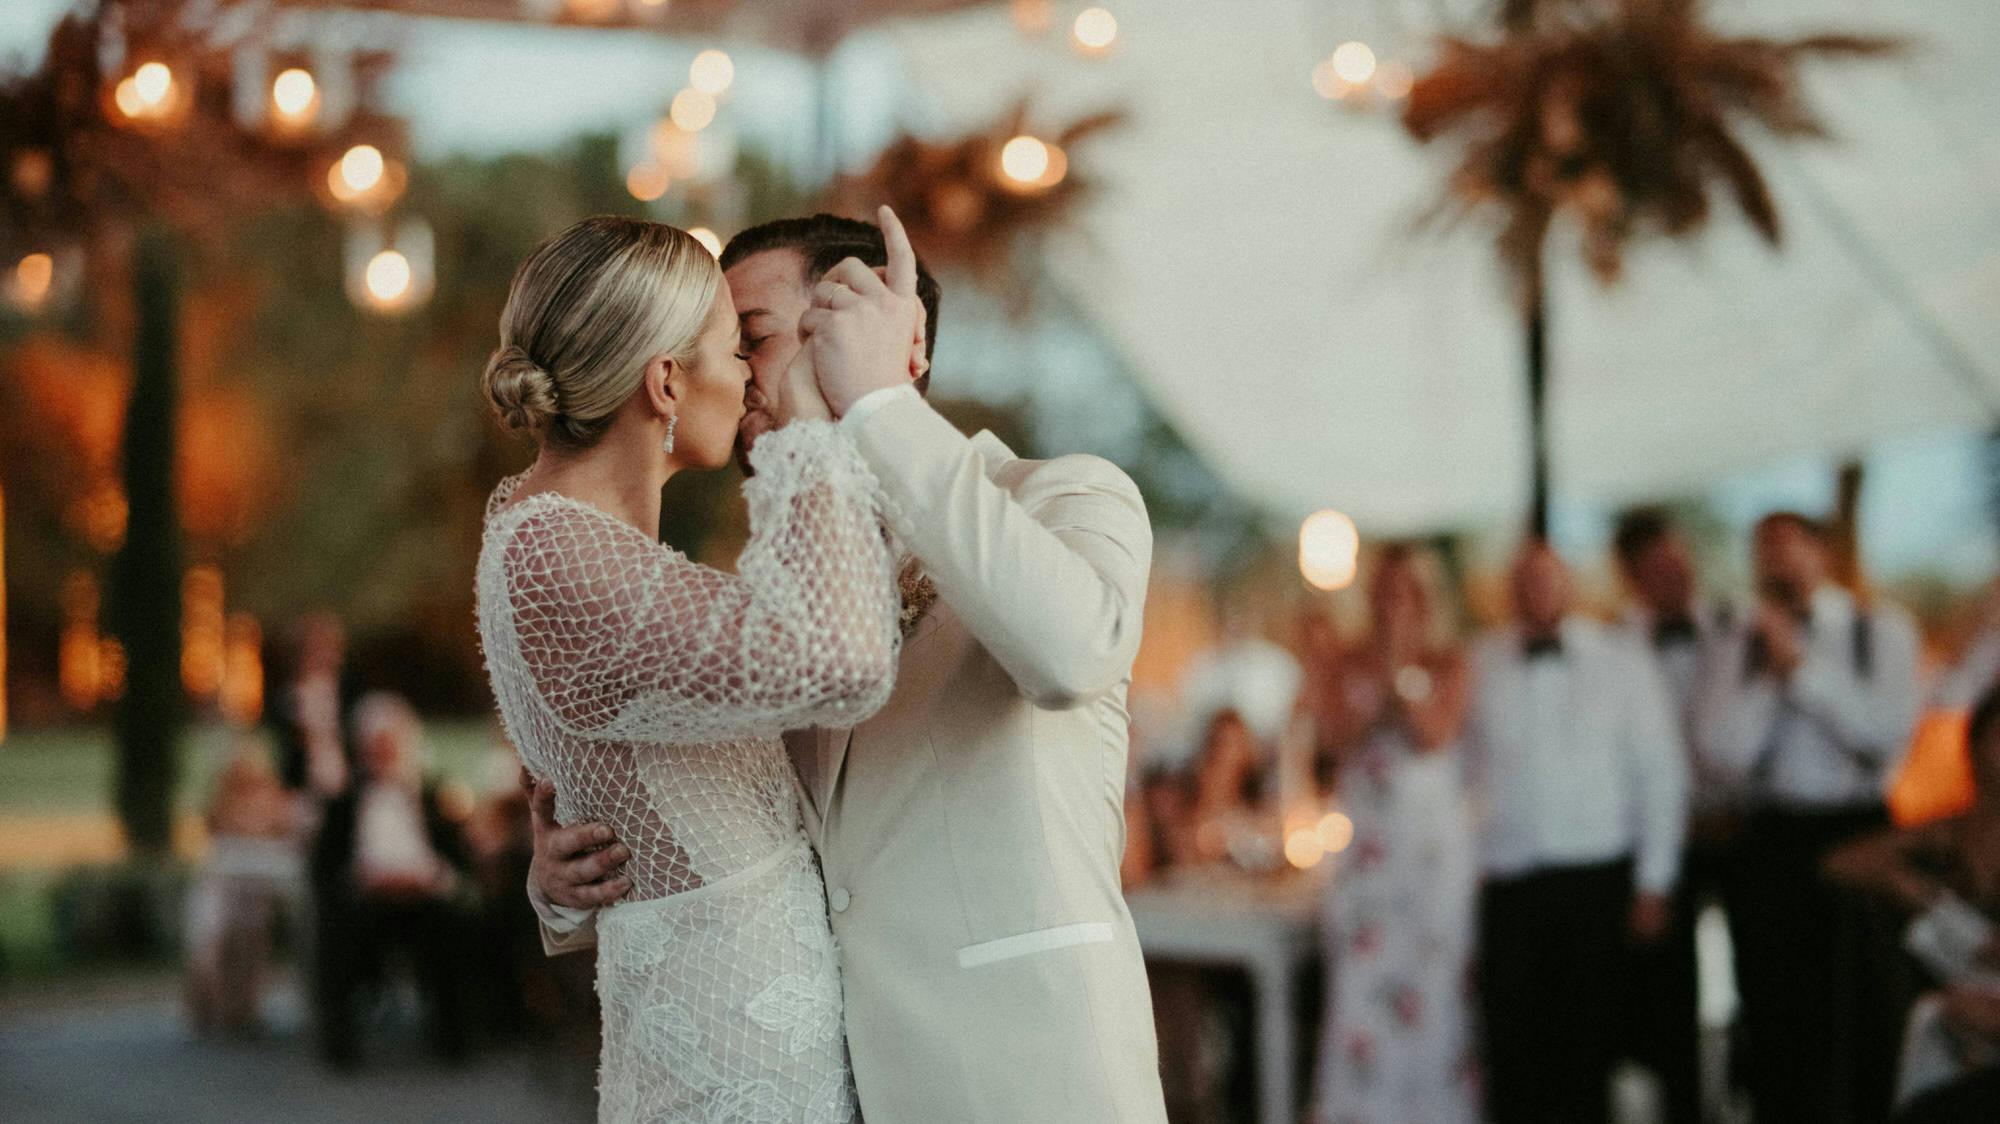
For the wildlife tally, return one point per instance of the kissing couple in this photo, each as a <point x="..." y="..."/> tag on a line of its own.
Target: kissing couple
<point x="844" y="825"/>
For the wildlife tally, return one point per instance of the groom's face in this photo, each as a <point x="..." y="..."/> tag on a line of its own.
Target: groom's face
<point x="771" y="294"/>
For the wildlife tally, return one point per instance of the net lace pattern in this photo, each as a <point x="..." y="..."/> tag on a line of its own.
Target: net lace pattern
<point x="652" y="691"/>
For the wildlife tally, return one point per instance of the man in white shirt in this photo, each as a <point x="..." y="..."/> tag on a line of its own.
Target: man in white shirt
<point x="1575" y="760"/>
<point x="1671" y="623"/>
<point x="1806" y="711"/>
<point x="970" y="833"/>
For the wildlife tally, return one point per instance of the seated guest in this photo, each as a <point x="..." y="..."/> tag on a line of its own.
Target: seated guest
<point x="1397" y="1040"/>
<point x="1947" y="872"/>
<point x="252" y="868"/>
<point x="1572" y="749"/>
<point x="386" y="867"/>
<point x="1227" y="808"/>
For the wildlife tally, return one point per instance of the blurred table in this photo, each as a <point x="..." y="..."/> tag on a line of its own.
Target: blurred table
<point x="1268" y="926"/>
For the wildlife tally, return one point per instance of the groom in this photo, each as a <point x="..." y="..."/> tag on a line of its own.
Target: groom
<point x="970" y="833"/>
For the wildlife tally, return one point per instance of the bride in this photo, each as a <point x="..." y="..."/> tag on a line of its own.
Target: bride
<point x="651" y="690"/>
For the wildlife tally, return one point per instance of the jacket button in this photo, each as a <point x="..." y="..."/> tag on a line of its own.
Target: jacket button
<point x="838" y="899"/>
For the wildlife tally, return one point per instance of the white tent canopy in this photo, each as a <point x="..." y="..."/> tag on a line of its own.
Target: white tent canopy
<point x="1255" y="255"/>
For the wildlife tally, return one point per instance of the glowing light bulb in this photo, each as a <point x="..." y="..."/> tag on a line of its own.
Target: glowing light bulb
<point x="1335" y="832"/>
<point x="648" y="181"/>
<point x="708" y="238"/>
<point x="388" y="277"/>
<point x="711" y="72"/>
<point x="1328" y="84"/>
<point x="1354" y="62"/>
<point x="362" y="168"/>
<point x="128" y="99"/>
<point x="153" y="82"/>
<point x="1302" y="848"/>
<point x="33" y="278"/>
<point x="1094" y="31"/>
<point x="1025" y="159"/>
<point x="295" y="94"/>
<point x="1329" y="546"/>
<point x="692" y="110"/>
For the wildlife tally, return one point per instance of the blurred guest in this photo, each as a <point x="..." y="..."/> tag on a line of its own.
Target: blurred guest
<point x="386" y="867"/>
<point x="1670" y="622"/>
<point x="1947" y="874"/>
<point x="1806" y="711"/>
<point x="1244" y="673"/>
<point x="311" y="709"/>
<point x="251" y="870"/>
<point x="1228" y="811"/>
<point x="1397" y="1041"/>
<point x="1572" y="749"/>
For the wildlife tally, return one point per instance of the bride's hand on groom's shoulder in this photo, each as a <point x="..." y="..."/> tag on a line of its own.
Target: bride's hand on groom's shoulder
<point x="576" y="867"/>
<point x="861" y="324"/>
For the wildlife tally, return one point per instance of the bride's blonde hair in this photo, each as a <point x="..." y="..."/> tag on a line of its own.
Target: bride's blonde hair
<point x="586" y="312"/>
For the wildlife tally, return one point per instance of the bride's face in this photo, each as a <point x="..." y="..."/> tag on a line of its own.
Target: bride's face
<point x="770" y="294"/>
<point x="709" y="391"/>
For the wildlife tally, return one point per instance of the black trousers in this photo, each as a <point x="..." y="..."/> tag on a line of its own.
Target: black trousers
<point x="1663" y="1006"/>
<point x="357" y="939"/>
<point x="1554" y="961"/>
<point x="1815" y="967"/>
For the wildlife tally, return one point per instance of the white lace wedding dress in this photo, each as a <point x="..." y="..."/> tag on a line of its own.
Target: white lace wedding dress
<point x="651" y="691"/>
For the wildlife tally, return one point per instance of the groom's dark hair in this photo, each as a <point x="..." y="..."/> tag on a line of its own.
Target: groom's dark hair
<point x="824" y="241"/>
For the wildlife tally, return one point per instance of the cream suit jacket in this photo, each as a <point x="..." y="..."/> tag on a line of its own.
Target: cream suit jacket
<point x="970" y="832"/>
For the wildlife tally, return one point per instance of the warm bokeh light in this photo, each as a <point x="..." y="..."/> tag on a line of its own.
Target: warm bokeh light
<point x="1034" y="17"/>
<point x="154" y="83"/>
<point x="647" y="181"/>
<point x="1302" y="848"/>
<point x="711" y="72"/>
<point x="1328" y="84"/>
<point x="3" y="617"/>
<point x="361" y="169"/>
<point x="241" y="694"/>
<point x="79" y="656"/>
<point x="1335" y="832"/>
<point x="1354" y="62"/>
<point x="34" y="277"/>
<point x="692" y="110"/>
<point x="708" y="238"/>
<point x="1394" y="79"/>
<point x="295" y="95"/>
<point x="1025" y="159"/>
<point x="388" y="278"/>
<point x="1329" y="547"/>
<point x="1094" y="31"/>
<point x="128" y="99"/>
<point x="593" y="9"/>
<point x="201" y="632"/>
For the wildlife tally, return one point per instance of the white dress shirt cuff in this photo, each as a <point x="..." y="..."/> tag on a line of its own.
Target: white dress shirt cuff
<point x="559" y="920"/>
<point x="865" y="406"/>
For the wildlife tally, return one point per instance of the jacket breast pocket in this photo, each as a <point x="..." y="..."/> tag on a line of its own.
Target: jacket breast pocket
<point x="1040" y="940"/>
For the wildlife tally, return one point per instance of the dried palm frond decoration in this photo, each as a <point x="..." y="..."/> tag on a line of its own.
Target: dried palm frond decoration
<point x="969" y="202"/>
<point x="1624" y="113"/>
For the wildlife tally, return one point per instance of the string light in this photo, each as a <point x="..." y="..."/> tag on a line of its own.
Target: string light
<point x="647" y="181"/>
<point x="153" y="82"/>
<point x="712" y="72"/>
<point x="1354" y="62"/>
<point x="388" y="278"/>
<point x="34" y="278"/>
<point x="1025" y="159"/>
<point x="296" y="96"/>
<point x="1302" y="848"/>
<point x="708" y="238"/>
<point x="1335" y="832"/>
<point x="692" y="110"/>
<point x="1328" y="84"/>
<point x="1094" y="31"/>
<point x="361" y="169"/>
<point x="1329" y="547"/>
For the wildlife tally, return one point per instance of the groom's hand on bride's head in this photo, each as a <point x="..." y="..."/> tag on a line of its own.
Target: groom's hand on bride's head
<point x="578" y="866"/>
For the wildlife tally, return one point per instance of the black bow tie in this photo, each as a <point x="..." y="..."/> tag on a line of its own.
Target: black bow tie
<point x="1670" y="631"/>
<point x="1542" y="647"/>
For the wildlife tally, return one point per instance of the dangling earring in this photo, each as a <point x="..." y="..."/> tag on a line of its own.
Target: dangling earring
<point x="668" y="444"/>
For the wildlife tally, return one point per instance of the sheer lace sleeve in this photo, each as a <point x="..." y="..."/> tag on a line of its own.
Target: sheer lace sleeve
<point x="628" y="640"/>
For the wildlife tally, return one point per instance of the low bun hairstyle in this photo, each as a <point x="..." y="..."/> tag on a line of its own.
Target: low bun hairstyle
<point x="586" y="312"/>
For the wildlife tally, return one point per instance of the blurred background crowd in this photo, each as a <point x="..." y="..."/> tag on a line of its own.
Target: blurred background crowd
<point x="1567" y="426"/>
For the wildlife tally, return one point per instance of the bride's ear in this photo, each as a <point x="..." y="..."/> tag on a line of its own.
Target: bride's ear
<point x="658" y="383"/>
